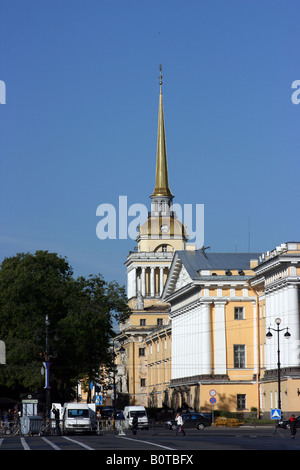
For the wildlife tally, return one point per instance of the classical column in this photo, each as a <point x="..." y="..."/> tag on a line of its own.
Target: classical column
<point x="293" y="324"/>
<point x="161" y="279"/>
<point x="271" y="348"/>
<point x="143" y="282"/>
<point x="206" y="338"/>
<point x="220" y="339"/>
<point x="152" y="283"/>
<point x="268" y="323"/>
<point x="134" y="289"/>
<point x="255" y="337"/>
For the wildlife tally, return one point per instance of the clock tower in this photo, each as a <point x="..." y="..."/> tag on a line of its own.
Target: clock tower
<point x="160" y="236"/>
<point x="147" y="269"/>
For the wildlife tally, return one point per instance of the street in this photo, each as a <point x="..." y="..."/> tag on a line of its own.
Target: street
<point x="160" y="441"/>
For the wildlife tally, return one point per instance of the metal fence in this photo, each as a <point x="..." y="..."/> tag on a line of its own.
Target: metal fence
<point x="49" y="427"/>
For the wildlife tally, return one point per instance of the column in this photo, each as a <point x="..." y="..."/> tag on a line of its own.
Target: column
<point x="285" y="318"/>
<point x="143" y="282"/>
<point x="131" y="283"/>
<point x="293" y="324"/>
<point x="161" y="279"/>
<point x="206" y="338"/>
<point x="152" y="284"/>
<point x="267" y="348"/>
<point x="272" y="342"/>
<point x="134" y="289"/>
<point x="220" y="353"/>
<point x="255" y="338"/>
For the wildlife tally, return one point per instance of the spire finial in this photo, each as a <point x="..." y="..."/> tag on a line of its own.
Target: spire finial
<point x="161" y="179"/>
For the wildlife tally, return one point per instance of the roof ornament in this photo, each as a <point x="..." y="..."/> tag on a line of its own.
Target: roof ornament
<point x="203" y="250"/>
<point x="160" y="76"/>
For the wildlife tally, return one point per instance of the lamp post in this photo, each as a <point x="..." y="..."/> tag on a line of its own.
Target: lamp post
<point x="287" y="336"/>
<point x="46" y="363"/>
<point x="47" y="366"/>
<point x="121" y="350"/>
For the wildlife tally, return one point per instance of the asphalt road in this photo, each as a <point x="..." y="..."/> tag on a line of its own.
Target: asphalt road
<point x="160" y="442"/>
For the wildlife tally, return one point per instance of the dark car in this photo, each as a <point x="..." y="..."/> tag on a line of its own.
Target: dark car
<point x="285" y="424"/>
<point x="107" y="412"/>
<point x="191" y="420"/>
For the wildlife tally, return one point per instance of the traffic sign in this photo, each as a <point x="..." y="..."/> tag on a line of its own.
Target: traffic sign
<point x="275" y="413"/>
<point x="98" y="399"/>
<point x="213" y="400"/>
<point x="212" y="393"/>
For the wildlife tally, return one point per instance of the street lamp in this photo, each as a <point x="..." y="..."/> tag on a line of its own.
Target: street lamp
<point x="120" y="350"/>
<point x="46" y="364"/>
<point x="287" y="336"/>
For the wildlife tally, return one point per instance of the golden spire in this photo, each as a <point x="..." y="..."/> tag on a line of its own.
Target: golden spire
<point x="161" y="179"/>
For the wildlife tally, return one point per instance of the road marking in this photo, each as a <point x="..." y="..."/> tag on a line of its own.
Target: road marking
<point x="78" y="443"/>
<point x="51" y="443"/>
<point x="24" y="444"/>
<point x="146" y="442"/>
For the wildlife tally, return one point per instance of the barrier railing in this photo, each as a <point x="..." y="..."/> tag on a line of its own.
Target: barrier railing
<point x="49" y="427"/>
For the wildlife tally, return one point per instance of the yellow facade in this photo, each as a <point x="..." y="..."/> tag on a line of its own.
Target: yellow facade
<point x="159" y="366"/>
<point x="270" y="290"/>
<point x="193" y="332"/>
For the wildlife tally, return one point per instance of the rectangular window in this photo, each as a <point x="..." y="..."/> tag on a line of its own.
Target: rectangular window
<point x="159" y="322"/>
<point x="241" y="402"/>
<point x="239" y="351"/>
<point x="239" y="313"/>
<point x="143" y="382"/>
<point x="142" y="322"/>
<point x="141" y="352"/>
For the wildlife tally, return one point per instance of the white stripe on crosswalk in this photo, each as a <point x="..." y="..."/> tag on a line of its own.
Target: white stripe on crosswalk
<point x="51" y="443"/>
<point x="24" y="444"/>
<point x="78" y="443"/>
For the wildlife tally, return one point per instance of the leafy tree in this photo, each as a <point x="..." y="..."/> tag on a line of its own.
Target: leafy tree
<point x="81" y="311"/>
<point x="88" y="327"/>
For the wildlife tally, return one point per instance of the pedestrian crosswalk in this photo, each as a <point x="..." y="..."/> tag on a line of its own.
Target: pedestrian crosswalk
<point x="42" y="442"/>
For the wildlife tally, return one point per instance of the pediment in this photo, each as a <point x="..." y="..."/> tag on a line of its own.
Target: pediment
<point x="183" y="279"/>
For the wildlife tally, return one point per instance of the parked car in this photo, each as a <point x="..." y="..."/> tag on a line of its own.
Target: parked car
<point x="285" y="424"/>
<point x="191" y="420"/>
<point x="107" y="412"/>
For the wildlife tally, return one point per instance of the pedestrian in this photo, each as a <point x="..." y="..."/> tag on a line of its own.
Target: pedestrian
<point x="179" y="424"/>
<point x="121" y="422"/>
<point x="55" y="411"/>
<point x="134" y="424"/>
<point x="293" y="428"/>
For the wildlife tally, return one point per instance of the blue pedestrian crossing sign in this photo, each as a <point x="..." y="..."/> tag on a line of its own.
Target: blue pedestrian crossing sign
<point x="275" y="413"/>
<point x="98" y="399"/>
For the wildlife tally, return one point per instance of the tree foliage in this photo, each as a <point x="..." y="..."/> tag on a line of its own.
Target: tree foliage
<point x="81" y="312"/>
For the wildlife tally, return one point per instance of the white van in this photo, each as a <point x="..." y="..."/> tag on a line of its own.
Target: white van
<point x="140" y="411"/>
<point x="79" y="417"/>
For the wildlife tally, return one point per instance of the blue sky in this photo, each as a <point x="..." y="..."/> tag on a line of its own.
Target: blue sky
<point x="79" y="126"/>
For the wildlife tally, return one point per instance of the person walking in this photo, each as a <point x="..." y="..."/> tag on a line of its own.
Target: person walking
<point x="134" y="424"/>
<point x="293" y="427"/>
<point x="179" y="423"/>
<point x="56" y="413"/>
